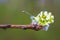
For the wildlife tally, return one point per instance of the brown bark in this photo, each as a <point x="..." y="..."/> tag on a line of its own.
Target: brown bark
<point x="34" y="27"/>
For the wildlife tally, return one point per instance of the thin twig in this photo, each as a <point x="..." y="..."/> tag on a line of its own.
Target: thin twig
<point x="34" y="27"/>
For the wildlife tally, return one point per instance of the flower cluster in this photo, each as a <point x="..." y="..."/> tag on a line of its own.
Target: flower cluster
<point x="44" y="18"/>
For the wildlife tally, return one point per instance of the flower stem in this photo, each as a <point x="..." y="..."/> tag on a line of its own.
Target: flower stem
<point x="34" y="27"/>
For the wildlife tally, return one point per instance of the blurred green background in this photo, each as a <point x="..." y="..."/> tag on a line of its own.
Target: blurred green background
<point x="10" y="13"/>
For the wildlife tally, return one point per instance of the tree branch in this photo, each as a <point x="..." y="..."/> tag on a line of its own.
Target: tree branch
<point x="34" y="27"/>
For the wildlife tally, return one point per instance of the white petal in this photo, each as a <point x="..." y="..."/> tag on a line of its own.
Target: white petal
<point x="42" y="19"/>
<point x="46" y="27"/>
<point x="50" y="13"/>
<point x="45" y="13"/>
<point x="48" y="17"/>
<point x="52" y="17"/>
<point x="41" y="13"/>
<point x="38" y="15"/>
<point x="37" y="18"/>
<point x="52" y="21"/>
<point x="49" y="22"/>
